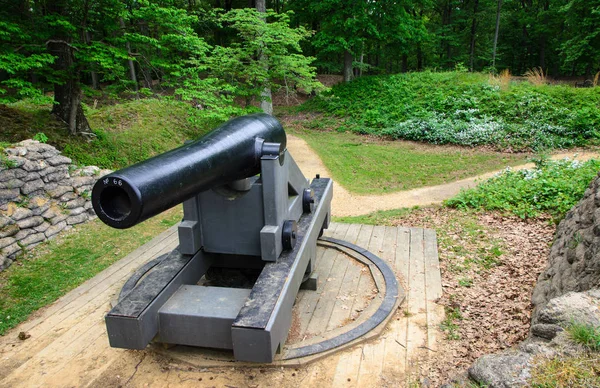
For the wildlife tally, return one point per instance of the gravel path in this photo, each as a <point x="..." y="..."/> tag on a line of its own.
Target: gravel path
<point x="348" y="204"/>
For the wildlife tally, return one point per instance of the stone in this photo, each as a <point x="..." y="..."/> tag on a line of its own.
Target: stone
<point x="59" y="218"/>
<point x="32" y="166"/>
<point x="42" y="227"/>
<point x="68" y="196"/>
<point x="545" y="330"/>
<point x="86" y="171"/>
<point x="16" y="161"/>
<point x="59" y="191"/>
<point x="52" y="212"/>
<point x="5" y="221"/>
<point x="32" y="186"/>
<point x="14" y="183"/>
<point x="30" y="222"/>
<point x="20" y="213"/>
<point x="505" y="370"/>
<point x="23" y="233"/>
<point x="580" y="307"/>
<point x="12" y="174"/>
<point x="88" y="205"/>
<point x="9" y="209"/>
<point x="47" y="170"/>
<point x="16" y="151"/>
<point x="56" y="176"/>
<point x="78" y="219"/>
<point x="39" y="205"/>
<point x="78" y="202"/>
<point x="31" y="176"/>
<point x="35" y="156"/>
<point x="11" y="250"/>
<point x="55" y="229"/>
<point x="6" y="241"/>
<point x="7" y="195"/>
<point x="33" y="239"/>
<point x="77" y="211"/>
<point x="9" y="230"/>
<point x="58" y="160"/>
<point x="40" y="147"/>
<point x="79" y="181"/>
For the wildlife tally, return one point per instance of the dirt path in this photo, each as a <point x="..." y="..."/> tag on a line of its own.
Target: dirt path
<point x="348" y="204"/>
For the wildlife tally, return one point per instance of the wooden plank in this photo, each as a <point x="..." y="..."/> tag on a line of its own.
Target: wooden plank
<point x="80" y="309"/>
<point x="433" y="280"/>
<point x="403" y="252"/>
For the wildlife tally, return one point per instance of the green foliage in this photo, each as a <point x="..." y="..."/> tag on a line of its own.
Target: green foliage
<point x="41" y="137"/>
<point x="588" y="336"/>
<point x="551" y="187"/>
<point x="450" y="324"/>
<point x="466" y="109"/>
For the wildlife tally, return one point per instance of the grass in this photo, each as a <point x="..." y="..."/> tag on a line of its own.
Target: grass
<point x="563" y="371"/>
<point x="58" y="266"/>
<point x="552" y="187"/>
<point x="465" y="109"/>
<point x="126" y="133"/>
<point x="365" y="165"/>
<point x="450" y="323"/>
<point x="585" y="335"/>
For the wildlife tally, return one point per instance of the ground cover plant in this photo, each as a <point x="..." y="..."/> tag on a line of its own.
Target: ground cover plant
<point x="552" y="187"/>
<point x="57" y="266"/>
<point x="368" y="165"/>
<point x="125" y="133"/>
<point x="468" y="109"/>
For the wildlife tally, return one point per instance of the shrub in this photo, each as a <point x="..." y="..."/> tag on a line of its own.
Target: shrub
<point x="552" y="187"/>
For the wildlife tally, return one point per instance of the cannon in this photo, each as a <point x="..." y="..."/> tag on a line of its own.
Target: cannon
<point x="246" y="205"/>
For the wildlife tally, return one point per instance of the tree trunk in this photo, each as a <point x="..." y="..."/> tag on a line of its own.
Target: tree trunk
<point x="496" y="33"/>
<point x="419" y="57"/>
<point x="132" y="75"/>
<point x="404" y="63"/>
<point x="67" y="96"/>
<point x="347" y="66"/>
<point x="266" y="100"/>
<point x="93" y="74"/>
<point x="473" y="31"/>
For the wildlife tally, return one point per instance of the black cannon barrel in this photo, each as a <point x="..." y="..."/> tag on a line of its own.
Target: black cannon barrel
<point x="230" y="152"/>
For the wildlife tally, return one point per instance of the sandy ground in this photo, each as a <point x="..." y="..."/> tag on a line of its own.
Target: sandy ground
<point x="348" y="204"/>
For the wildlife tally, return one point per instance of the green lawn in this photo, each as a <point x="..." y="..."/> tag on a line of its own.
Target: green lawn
<point x="366" y="165"/>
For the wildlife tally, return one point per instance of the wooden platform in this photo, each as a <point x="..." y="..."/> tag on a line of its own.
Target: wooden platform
<point x="68" y="344"/>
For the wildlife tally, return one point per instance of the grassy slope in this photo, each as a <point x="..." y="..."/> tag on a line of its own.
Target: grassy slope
<point x="368" y="166"/>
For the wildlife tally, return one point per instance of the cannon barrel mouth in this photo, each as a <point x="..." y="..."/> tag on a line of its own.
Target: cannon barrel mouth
<point x="115" y="203"/>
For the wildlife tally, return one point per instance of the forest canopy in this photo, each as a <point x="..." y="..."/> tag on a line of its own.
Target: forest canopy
<point x="215" y="52"/>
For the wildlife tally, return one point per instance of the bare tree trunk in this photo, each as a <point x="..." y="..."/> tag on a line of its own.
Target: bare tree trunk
<point x="347" y="66"/>
<point x="266" y="100"/>
<point x="88" y="38"/>
<point x="473" y="31"/>
<point x="496" y="33"/>
<point x="132" y="75"/>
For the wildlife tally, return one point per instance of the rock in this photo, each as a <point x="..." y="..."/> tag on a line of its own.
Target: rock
<point x="77" y="211"/>
<point x="30" y="222"/>
<point x="79" y="181"/>
<point x="58" y="160"/>
<point x="5" y="221"/>
<point x="75" y="203"/>
<point x="12" y="174"/>
<point x="574" y="260"/>
<point x="47" y="170"/>
<point x="7" y="195"/>
<point x="42" y="227"/>
<point x="52" y="212"/>
<point x="68" y="196"/>
<point x="39" y="205"/>
<point x="33" y="238"/>
<point x="545" y="330"/>
<point x="88" y="205"/>
<point x="23" y="233"/>
<point x="580" y="307"/>
<point x="14" y="183"/>
<point x="56" y="176"/>
<point x="55" y="229"/>
<point x="34" y="156"/>
<point x="45" y="149"/>
<point x="9" y="230"/>
<point x="502" y="370"/>
<point x="86" y="171"/>
<point x="59" y="218"/>
<point x="32" y="166"/>
<point x="6" y="241"/>
<point x="9" y="209"/>
<point x="11" y="250"/>
<point x="32" y="186"/>
<point x="31" y="176"/>
<point x="78" y="219"/>
<point x="59" y="191"/>
<point x="21" y="213"/>
<point x="16" y="161"/>
<point x="16" y="151"/>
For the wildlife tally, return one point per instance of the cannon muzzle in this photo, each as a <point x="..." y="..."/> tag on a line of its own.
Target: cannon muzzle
<point x="230" y="152"/>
